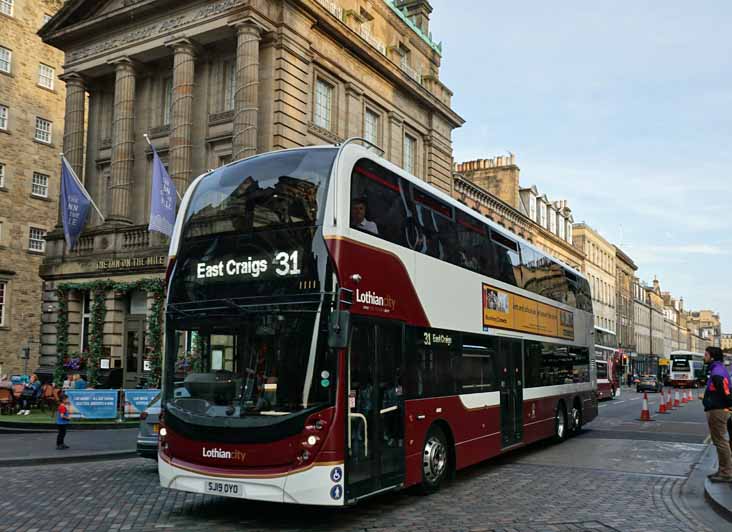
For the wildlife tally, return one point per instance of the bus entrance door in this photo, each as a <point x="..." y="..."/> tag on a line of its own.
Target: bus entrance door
<point x="375" y="454"/>
<point x="509" y="362"/>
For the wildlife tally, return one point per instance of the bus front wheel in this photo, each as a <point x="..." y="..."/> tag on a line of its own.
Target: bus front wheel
<point x="435" y="460"/>
<point x="560" y="423"/>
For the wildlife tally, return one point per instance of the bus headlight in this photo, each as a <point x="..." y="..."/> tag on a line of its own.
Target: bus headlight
<point x="312" y="440"/>
<point x="163" y="432"/>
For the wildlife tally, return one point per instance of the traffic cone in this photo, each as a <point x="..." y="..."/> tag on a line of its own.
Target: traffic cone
<point x="662" y="405"/>
<point x="645" y="413"/>
<point x="677" y="403"/>
<point x="669" y="401"/>
<point x="684" y="397"/>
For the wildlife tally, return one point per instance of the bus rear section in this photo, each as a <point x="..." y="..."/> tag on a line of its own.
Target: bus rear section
<point x="313" y="357"/>
<point x="687" y="369"/>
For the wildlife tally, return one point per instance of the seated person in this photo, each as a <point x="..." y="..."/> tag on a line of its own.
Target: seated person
<point x="358" y="217"/>
<point x="79" y="382"/>
<point x="30" y="393"/>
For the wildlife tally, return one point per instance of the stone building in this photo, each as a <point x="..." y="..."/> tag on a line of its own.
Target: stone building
<point x="639" y="359"/>
<point x="707" y="324"/>
<point x="599" y="267"/>
<point x="31" y="129"/>
<point x="625" y="270"/>
<point x="212" y="81"/>
<point x="726" y="342"/>
<point x="491" y="186"/>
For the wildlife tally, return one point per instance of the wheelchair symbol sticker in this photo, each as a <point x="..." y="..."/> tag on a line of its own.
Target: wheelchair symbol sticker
<point x="336" y="492"/>
<point x="336" y="474"/>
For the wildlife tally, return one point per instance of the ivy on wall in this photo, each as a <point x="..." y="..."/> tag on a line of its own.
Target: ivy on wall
<point x="98" y="291"/>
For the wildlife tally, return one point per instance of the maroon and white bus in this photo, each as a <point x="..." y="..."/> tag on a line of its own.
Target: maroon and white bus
<point x="606" y="360"/>
<point x="337" y="328"/>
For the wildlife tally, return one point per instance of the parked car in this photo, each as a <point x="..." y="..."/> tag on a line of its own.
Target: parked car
<point x="649" y="383"/>
<point x="147" y="435"/>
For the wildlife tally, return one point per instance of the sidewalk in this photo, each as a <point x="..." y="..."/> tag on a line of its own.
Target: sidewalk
<point x="36" y="448"/>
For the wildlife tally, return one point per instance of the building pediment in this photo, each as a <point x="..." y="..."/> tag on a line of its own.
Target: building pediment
<point x="75" y="13"/>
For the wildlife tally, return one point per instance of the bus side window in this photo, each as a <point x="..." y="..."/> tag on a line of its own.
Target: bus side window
<point x="379" y="191"/>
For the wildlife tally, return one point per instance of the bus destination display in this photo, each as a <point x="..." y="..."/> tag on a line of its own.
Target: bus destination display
<point x="279" y="264"/>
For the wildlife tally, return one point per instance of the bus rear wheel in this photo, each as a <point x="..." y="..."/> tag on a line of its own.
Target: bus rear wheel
<point x="435" y="460"/>
<point x="560" y="423"/>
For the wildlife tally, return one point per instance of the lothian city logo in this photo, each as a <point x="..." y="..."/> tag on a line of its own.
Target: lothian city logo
<point x="372" y="298"/>
<point x="223" y="454"/>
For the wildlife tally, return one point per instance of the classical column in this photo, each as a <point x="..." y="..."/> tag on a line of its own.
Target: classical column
<point x="181" y="123"/>
<point x="246" y="98"/>
<point x="74" y="121"/>
<point x="123" y="139"/>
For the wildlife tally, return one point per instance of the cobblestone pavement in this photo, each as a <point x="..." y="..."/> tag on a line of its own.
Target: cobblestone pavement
<point x="495" y="496"/>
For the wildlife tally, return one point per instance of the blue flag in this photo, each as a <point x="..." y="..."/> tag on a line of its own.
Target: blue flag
<point x="75" y="203"/>
<point x="162" y="200"/>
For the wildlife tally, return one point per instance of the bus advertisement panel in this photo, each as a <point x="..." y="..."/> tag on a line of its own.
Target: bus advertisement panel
<point x="332" y="332"/>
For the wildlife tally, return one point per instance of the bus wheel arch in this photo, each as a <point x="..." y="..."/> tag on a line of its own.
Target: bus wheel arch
<point x="575" y="416"/>
<point x="560" y="421"/>
<point x="438" y="457"/>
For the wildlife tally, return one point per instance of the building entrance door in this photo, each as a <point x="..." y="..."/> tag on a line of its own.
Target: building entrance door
<point x="134" y="349"/>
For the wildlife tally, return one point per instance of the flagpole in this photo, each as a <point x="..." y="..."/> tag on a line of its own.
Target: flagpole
<point x="81" y="185"/>
<point x="155" y="152"/>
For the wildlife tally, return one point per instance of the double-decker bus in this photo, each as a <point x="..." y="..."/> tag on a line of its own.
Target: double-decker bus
<point x="687" y="369"/>
<point x="337" y="328"/>
<point x="606" y="360"/>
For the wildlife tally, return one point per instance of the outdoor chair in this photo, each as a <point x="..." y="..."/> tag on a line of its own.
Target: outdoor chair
<point x="7" y="401"/>
<point x="18" y="391"/>
<point x="48" y="400"/>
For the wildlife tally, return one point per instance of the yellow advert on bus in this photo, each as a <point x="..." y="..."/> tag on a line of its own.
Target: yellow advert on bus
<point x="505" y="310"/>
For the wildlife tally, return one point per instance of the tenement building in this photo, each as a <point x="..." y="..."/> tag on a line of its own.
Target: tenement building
<point x="31" y="130"/>
<point x="625" y="270"/>
<point x="491" y="187"/>
<point x="210" y="81"/>
<point x="707" y="324"/>
<point x="599" y="267"/>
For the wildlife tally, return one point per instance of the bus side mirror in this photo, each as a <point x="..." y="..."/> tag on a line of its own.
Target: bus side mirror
<point x="340" y="326"/>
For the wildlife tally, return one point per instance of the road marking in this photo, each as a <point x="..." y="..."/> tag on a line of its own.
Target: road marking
<point x="618" y="402"/>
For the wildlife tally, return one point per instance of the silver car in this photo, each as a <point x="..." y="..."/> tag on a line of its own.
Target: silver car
<point x="147" y="435"/>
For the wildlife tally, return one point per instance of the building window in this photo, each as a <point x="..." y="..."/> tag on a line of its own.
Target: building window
<point x="371" y="126"/>
<point x="229" y="85"/>
<point x="46" y="74"/>
<point x="410" y="148"/>
<point x="167" y="100"/>
<point x="44" y="130"/>
<point x="39" y="186"/>
<point x="37" y="240"/>
<point x="2" y="175"/>
<point x="3" y="301"/>
<point x="6" y="7"/>
<point x="6" y="60"/>
<point x="85" y="321"/>
<point x="542" y="214"/>
<point x="3" y="117"/>
<point x="560" y="226"/>
<point x="323" y="113"/>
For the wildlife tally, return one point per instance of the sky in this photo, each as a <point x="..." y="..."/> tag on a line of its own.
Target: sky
<point x="622" y="108"/>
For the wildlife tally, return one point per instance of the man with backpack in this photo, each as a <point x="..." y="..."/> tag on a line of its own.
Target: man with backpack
<point x="717" y="401"/>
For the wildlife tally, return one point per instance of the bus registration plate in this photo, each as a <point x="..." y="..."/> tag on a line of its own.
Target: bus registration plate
<point x="227" y="489"/>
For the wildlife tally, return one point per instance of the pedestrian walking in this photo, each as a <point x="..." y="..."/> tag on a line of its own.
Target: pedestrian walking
<point x="63" y="419"/>
<point x="717" y="401"/>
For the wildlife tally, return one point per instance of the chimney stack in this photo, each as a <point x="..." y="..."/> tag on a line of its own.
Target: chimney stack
<point x="418" y="11"/>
